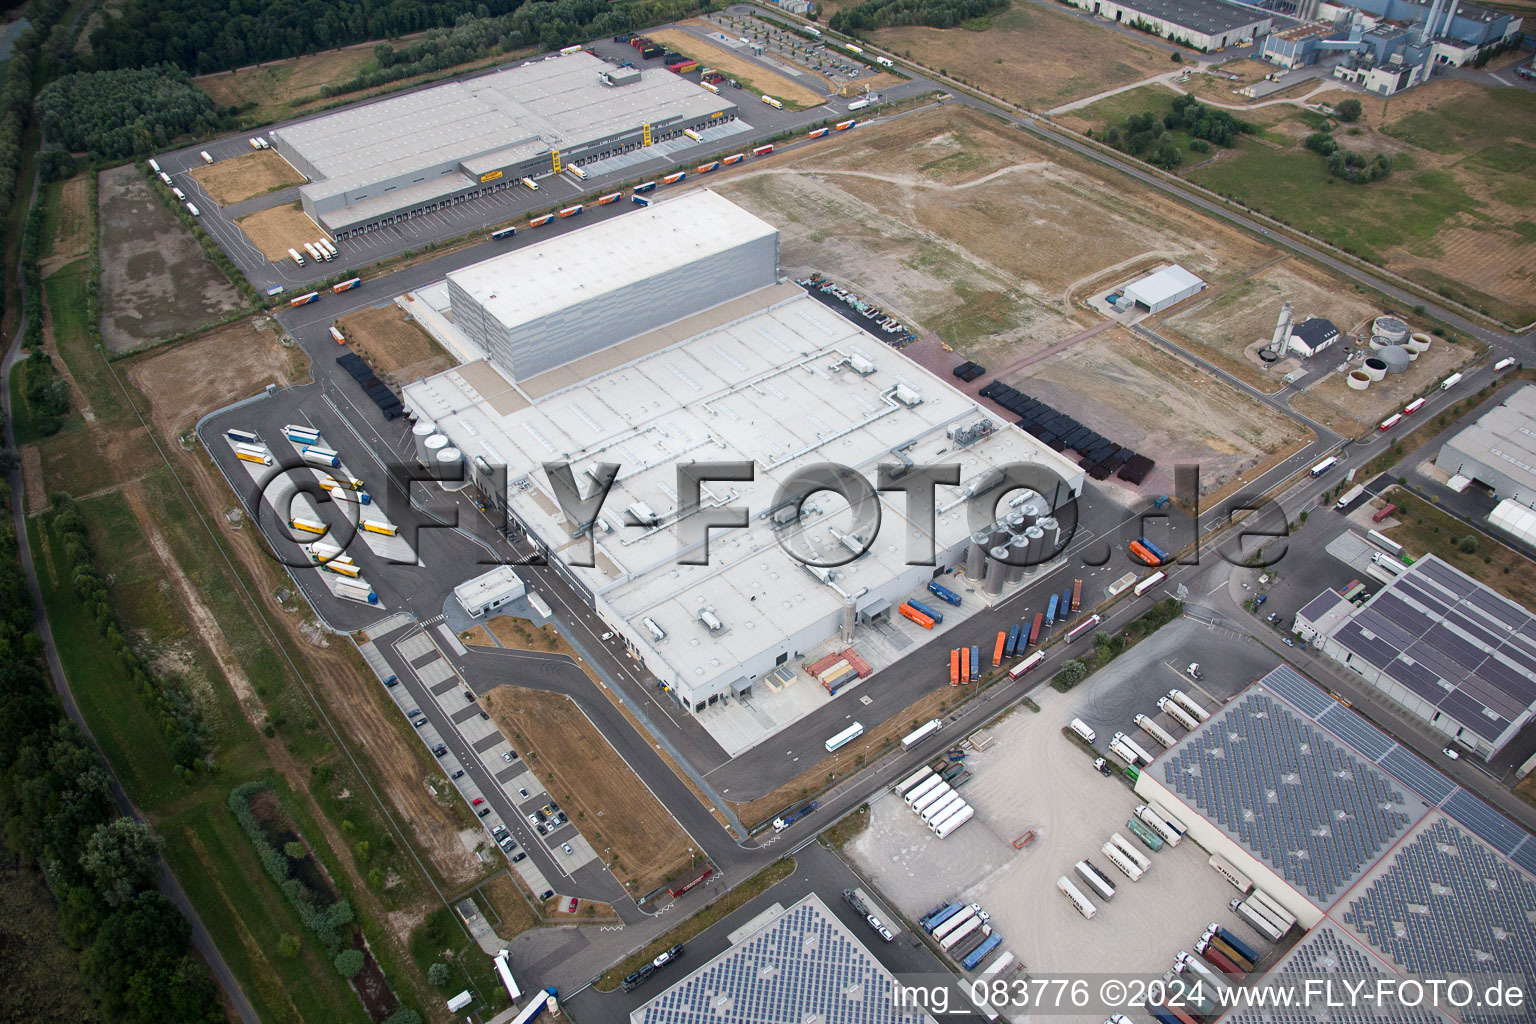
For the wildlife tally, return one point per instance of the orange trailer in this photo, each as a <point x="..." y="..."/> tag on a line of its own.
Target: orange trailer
<point x="997" y="652"/>
<point x="954" y="667"/>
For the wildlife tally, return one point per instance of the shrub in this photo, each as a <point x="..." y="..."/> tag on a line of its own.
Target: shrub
<point x="1349" y="110"/>
<point x="439" y="975"/>
<point x="349" y="962"/>
<point x="1467" y="545"/>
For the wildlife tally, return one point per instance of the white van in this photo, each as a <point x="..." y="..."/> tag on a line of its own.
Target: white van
<point x="1081" y="728"/>
<point x="206" y="158"/>
<point x="179" y="194"/>
<point x="193" y="210"/>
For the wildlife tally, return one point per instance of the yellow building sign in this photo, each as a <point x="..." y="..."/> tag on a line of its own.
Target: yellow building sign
<point x="555" y="156"/>
<point x="489" y="176"/>
<point x="645" y="135"/>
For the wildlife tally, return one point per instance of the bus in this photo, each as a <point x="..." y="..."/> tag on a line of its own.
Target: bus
<point x="611" y="197"/>
<point x="673" y="179"/>
<point x="917" y="736"/>
<point x="1325" y="465"/>
<point x="845" y="737"/>
<point x="706" y="168"/>
<point x="539" y="222"/>
<point x="1024" y="667"/>
<point x="816" y="133"/>
<point x="1386" y="543"/>
<point x="773" y="103"/>
<point x="734" y="158"/>
<point x="645" y="186"/>
<point x="843" y="126"/>
<point x="1150" y="582"/>
<point x="695" y="136"/>
<point x="571" y="211"/>
<point x="1086" y="626"/>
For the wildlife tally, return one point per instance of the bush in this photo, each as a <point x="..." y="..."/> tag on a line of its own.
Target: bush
<point x="439" y="975"/>
<point x="348" y="963"/>
<point x="404" y="1017"/>
<point x="1321" y="142"/>
<point x="1199" y="145"/>
<point x="288" y="947"/>
<point x="1072" y="672"/>
<point x="1467" y="545"/>
<point x="1349" y="111"/>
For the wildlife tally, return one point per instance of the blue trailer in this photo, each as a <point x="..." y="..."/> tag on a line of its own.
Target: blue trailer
<point x="1237" y="944"/>
<point x="943" y="593"/>
<point x="1161" y="1014"/>
<point x="1050" y="612"/>
<point x="941" y="915"/>
<point x="1162" y="556"/>
<point x="1066" y="604"/>
<point x="975" y="663"/>
<point x="1013" y="641"/>
<point x="982" y="951"/>
<point x="937" y="617"/>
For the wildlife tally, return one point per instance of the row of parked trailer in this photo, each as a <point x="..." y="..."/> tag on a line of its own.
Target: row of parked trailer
<point x="165" y="179"/>
<point x="1177" y="705"/>
<point x="897" y="335"/>
<point x="932" y="793"/>
<point x="1193" y="990"/>
<point x="321" y="251"/>
<point x="964" y="934"/>
<point x="1125" y="858"/>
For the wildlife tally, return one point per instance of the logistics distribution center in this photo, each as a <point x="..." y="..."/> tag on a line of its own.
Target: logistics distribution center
<point x="1394" y="866"/>
<point x="618" y="364"/>
<point x="374" y="163"/>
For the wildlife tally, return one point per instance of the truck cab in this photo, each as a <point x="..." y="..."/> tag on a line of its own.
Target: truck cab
<point x="1194" y="670"/>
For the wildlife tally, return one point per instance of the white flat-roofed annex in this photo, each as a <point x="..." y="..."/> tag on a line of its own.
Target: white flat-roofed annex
<point x="770" y="386"/>
<point x="512" y="113"/>
<point x="539" y="280"/>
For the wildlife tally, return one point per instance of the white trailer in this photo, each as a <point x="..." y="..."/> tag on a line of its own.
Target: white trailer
<point x="1225" y="869"/>
<point x="503" y="969"/>
<point x="954" y="821"/>
<point x="1186" y="964"/>
<point x="1119" y="749"/>
<point x="943" y="808"/>
<point x="954" y="938"/>
<point x="922" y="789"/>
<point x="1162" y="812"/>
<point x="1132" y="854"/>
<point x="1149" y="817"/>
<point x="943" y="930"/>
<point x="936" y="794"/>
<point x="1096" y="879"/>
<point x="1189" y="704"/>
<point x="1134" y="747"/>
<point x="906" y="784"/>
<point x="1273" y="908"/>
<point x="1154" y="730"/>
<point x="1073" y="893"/>
<point x="1170" y="707"/>
<point x="1258" y="921"/>
<point x="1121" y="862"/>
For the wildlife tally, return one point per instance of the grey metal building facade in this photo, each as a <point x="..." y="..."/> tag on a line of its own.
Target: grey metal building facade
<point x="1499" y="451"/>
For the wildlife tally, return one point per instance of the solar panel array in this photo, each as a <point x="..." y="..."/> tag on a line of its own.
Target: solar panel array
<point x="1293" y="796"/>
<point x="1447" y="904"/>
<point x="804" y="966"/>
<point x="1452" y="642"/>
<point x="1406" y="767"/>
<point x="1331" y="953"/>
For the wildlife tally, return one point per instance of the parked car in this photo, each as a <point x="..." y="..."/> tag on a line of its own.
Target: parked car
<point x="606" y="637"/>
<point x="391" y="680"/>
<point x="523" y="793"/>
<point x="1289" y="642"/>
<point x="440" y="750"/>
<point x="477" y="801"/>
<point x="469" y="696"/>
<point x="459" y="774"/>
<point x="420" y="722"/>
<point x="1452" y="753"/>
<point x="497" y="830"/>
<point x="484" y="811"/>
<point x="566" y="847"/>
<point x="519" y="855"/>
<point x="509" y="756"/>
<point x="570" y="908"/>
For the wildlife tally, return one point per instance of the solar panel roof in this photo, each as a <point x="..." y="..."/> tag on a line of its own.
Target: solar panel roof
<point x="804" y="965"/>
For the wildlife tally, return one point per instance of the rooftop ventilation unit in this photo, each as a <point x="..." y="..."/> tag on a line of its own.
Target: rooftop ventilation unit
<point x="971" y="433"/>
<point x="821" y="574"/>
<point x="657" y="633"/>
<point x="642" y="514"/>
<point x="711" y="623"/>
<point x="861" y="364"/>
<point x="907" y="396"/>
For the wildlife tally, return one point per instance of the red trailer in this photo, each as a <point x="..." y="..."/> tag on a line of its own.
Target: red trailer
<point x="1384" y="513"/>
<point x="1034" y="631"/>
<point x="1077" y="594"/>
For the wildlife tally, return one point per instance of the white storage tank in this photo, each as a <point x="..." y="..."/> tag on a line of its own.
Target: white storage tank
<point x="1358" y="380"/>
<point x="1390" y="327"/>
<point x="1375" y="368"/>
<point x="420" y="431"/>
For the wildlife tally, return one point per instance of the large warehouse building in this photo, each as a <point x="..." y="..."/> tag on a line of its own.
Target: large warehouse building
<point x="803" y="966"/>
<point x="372" y="164"/>
<point x="536" y="308"/>
<point x="1394" y="868"/>
<point x="741" y="370"/>
<point x="1457" y="654"/>
<point x="1499" y="450"/>
<point x="1206" y="25"/>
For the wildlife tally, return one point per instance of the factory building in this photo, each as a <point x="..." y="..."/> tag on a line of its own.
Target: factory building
<point x="1443" y="646"/>
<point x="748" y="372"/>
<point x="1312" y="335"/>
<point x="372" y="164"/>
<point x="1206" y="25"/>
<point x="1499" y="450"/>
<point x="1167" y="287"/>
<point x="1393" y="869"/>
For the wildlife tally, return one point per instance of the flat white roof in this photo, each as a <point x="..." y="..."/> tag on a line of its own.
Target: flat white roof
<point x="489" y="586"/>
<point x="533" y="282"/>
<point x="1163" y="285"/>
<point x="769" y="385"/>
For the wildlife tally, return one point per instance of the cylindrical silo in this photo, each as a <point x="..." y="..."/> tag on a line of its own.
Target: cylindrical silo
<point x="1375" y="368"/>
<point x="1419" y="342"/>
<point x="420" y="431"/>
<point x="850" y="616"/>
<point x="1052" y="531"/>
<point x="976" y="556"/>
<point x="1018" y="552"/>
<point x="430" y="449"/>
<point x="1390" y="327"/>
<point x="1016" y="523"/>
<point x="997" y="569"/>
<point x="1358" y="380"/>
<point x="450" y="467"/>
<point x="1034" y="537"/>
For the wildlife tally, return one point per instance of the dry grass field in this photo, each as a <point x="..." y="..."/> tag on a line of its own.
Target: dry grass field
<point x="246" y="177"/>
<point x="604" y="799"/>
<point x="279" y="228"/>
<point x="791" y="90"/>
<point x="155" y="279"/>
<point x="71" y="218"/>
<point x="1033" y="56"/>
<point x="392" y="344"/>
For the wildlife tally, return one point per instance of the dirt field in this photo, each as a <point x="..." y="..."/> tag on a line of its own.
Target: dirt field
<point x="790" y="90"/>
<point x="276" y="230"/>
<point x="952" y="222"/>
<point x="246" y="177"/>
<point x="1032" y="55"/>
<point x="393" y="345"/>
<point x="604" y="798"/>
<point x="72" y="225"/>
<point x="155" y="280"/>
<point x="186" y="382"/>
<point x="1388" y="395"/>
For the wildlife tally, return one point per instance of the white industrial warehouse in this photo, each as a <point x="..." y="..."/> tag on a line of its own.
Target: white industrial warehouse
<point x="1499" y="450"/>
<point x="374" y="163"/>
<point x="1167" y="287"/>
<point x="744" y="369"/>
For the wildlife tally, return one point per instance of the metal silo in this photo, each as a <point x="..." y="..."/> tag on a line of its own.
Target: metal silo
<point x="1035" y="538"/>
<point x="976" y="556"/>
<point x="996" y="570"/>
<point x="1018" y="553"/>
<point x="420" y="431"/>
<point x="1052" y="531"/>
<point x="430" y="449"/>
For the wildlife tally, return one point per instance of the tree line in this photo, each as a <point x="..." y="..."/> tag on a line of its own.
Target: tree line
<point x="115" y="114"/>
<point x="57" y="813"/>
<point x="873" y="14"/>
